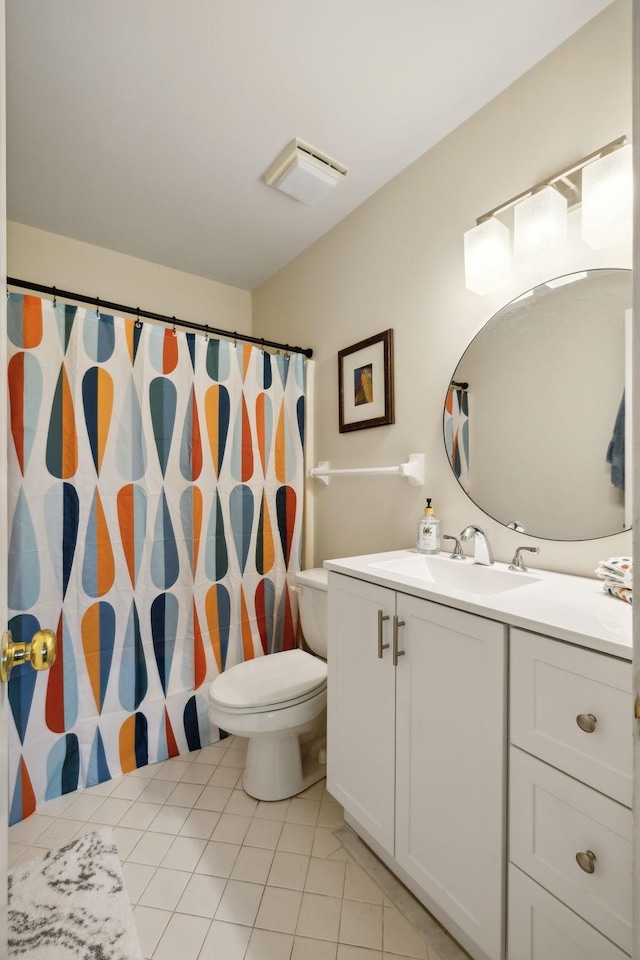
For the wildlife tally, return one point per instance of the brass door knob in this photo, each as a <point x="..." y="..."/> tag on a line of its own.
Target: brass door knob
<point x="41" y="652"/>
<point x="586" y="722"/>
<point x="586" y="860"/>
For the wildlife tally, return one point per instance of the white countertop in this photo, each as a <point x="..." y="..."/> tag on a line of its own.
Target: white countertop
<point x="575" y="609"/>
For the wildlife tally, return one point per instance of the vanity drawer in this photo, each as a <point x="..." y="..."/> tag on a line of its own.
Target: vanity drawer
<point x="542" y="928"/>
<point x="555" y="687"/>
<point x="555" y="817"/>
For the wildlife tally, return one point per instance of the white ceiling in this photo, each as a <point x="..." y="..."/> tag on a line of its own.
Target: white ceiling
<point x="145" y="126"/>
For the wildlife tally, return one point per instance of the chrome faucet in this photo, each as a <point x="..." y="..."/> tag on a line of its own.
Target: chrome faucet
<point x="482" y="552"/>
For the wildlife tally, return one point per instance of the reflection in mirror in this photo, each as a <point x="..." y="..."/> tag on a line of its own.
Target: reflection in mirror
<point x="537" y="440"/>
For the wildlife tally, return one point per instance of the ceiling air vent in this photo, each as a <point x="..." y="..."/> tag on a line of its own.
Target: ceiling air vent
<point x="304" y="173"/>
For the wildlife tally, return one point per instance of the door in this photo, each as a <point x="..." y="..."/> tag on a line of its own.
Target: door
<point x="361" y="704"/>
<point x="450" y="767"/>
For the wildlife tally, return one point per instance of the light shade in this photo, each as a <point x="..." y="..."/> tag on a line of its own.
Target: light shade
<point x="487" y="256"/>
<point x="304" y="173"/>
<point x="539" y="228"/>
<point x="607" y="199"/>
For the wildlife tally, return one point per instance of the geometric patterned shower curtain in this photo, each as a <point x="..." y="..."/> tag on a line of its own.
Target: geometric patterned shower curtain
<point x="155" y="517"/>
<point x="456" y="433"/>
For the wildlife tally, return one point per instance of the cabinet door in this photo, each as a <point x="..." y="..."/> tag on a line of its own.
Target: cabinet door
<point x="542" y="928"/>
<point x="450" y="766"/>
<point x="361" y="705"/>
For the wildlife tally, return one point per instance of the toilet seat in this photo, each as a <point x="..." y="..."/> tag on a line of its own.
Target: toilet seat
<point x="273" y="682"/>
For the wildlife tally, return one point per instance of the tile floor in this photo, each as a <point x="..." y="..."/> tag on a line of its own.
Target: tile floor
<point x="215" y="875"/>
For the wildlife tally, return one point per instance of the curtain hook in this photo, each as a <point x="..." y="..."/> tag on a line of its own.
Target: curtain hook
<point x="264" y="352"/>
<point x="138" y="320"/>
<point x="55" y="298"/>
<point x="235" y="338"/>
<point x="173" y="329"/>
<point x="98" y="307"/>
<point x="206" y="333"/>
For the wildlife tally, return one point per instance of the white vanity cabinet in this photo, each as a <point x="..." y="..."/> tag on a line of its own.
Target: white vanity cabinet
<point x="570" y="798"/>
<point x="416" y="748"/>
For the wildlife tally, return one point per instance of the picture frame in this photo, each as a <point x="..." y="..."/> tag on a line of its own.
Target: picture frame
<point x="365" y="383"/>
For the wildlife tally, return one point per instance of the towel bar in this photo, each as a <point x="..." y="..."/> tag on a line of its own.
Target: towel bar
<point x="412" y="470"/>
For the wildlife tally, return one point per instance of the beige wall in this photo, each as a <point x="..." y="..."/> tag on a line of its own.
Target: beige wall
<point x="46" y="258"/>
<point x="397" y="262"/>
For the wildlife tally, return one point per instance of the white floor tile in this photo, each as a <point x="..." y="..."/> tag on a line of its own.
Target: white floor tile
<point x="182" y="938"/>
<point x="240" y="902"/>
<point x="130" y="787"/>
<point x="157" y="791"/>
<point x="325" y="877"/>
<point x="263" y="833"/>
<point x="265" y="945"/>
<point x="125" y="838"/>
<point x="218" y="859"/>
<point x="213" y="798"/>
<point x="223" y="776"/>
<point x="202" y="895"/>
<point x="241" y="803"/>
<point x="185" y="794"/>
<point x="303" y="811"/>
<point x="296" y="838"/>
<point x="358" y="885"/>
<point x="252" y="864"/>
<point x="150" y="925"/>
<point x="184" y="853"/>
<point x="234" y="758"/>
<point x="225" y="941"/>
<point x="198" y="773"/>
<point x="151" y="848"/>
<point x="173" y="770"/>
<point x="200" y="823"/>
<point x="82" y="807"/>
<point x="306" y="949"/>
<point x="230" y="828"/>
<point x="139" y="815"/>
<point x="168" y="819"/>
<point x="164" y="889"/>
<point x="319" y="917"/>
<point x="111" y="811"/>
<point x="288" y="870"/>
<point x="348" y="952"/>
<point x="361" y="924"/>
<point x="136" y="877"/>
<point x="28" y="831"/>
<point x="273" y="809"/>
<point x="279" y="909"/>
<point x="399" y="936"/>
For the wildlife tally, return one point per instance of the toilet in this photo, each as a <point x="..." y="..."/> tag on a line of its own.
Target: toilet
<point x="279" y="703"/>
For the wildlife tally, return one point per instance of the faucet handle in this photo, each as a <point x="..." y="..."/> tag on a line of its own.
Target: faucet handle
<point x="457" y="553"/>
<point x="517" y="562"/>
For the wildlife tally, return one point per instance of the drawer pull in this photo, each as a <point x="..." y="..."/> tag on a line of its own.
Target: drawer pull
<point x="586" y="860"/>
<point x="586" y="722"/>
<point x="381" y="646"/>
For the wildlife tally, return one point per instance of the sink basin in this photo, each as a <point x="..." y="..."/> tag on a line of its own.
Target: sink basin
<point x="456" y="574"/>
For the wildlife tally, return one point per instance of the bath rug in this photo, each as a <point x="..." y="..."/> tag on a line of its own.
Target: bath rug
<point x="71" y="904"/>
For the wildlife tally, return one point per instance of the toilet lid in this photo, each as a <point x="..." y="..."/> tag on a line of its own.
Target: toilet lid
<point x="272" y="679"/>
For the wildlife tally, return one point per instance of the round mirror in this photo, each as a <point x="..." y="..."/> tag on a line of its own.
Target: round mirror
<point x="534" y="419"/>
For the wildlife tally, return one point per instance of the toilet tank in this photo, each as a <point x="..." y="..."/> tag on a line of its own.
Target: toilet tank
<point x="312" y="605"/>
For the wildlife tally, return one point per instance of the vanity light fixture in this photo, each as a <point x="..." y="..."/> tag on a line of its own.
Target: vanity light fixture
<point x="607" y="191"/>
<point x="602" y="181"/>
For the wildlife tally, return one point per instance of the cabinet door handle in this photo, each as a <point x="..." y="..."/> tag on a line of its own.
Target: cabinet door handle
<point x="586" y="722"/>
<point x="381" y="646"/>
<point x="586" y="860"/>
<point x="396" y="653"/>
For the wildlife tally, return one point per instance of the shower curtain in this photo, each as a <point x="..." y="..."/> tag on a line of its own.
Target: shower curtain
<point x="456" y="432"/>
<point x="155" y="517"/>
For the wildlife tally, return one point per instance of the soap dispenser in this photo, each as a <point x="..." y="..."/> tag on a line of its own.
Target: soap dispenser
<point x="428" y="538"/>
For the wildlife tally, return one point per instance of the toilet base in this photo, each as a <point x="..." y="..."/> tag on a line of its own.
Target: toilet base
<point x="276" y="770"/>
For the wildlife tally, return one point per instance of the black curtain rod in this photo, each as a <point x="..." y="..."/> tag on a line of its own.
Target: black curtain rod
<point x="148" y="315"/>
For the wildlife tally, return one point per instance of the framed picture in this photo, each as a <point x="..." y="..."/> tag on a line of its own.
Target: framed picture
<point x="365" y="383"/>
